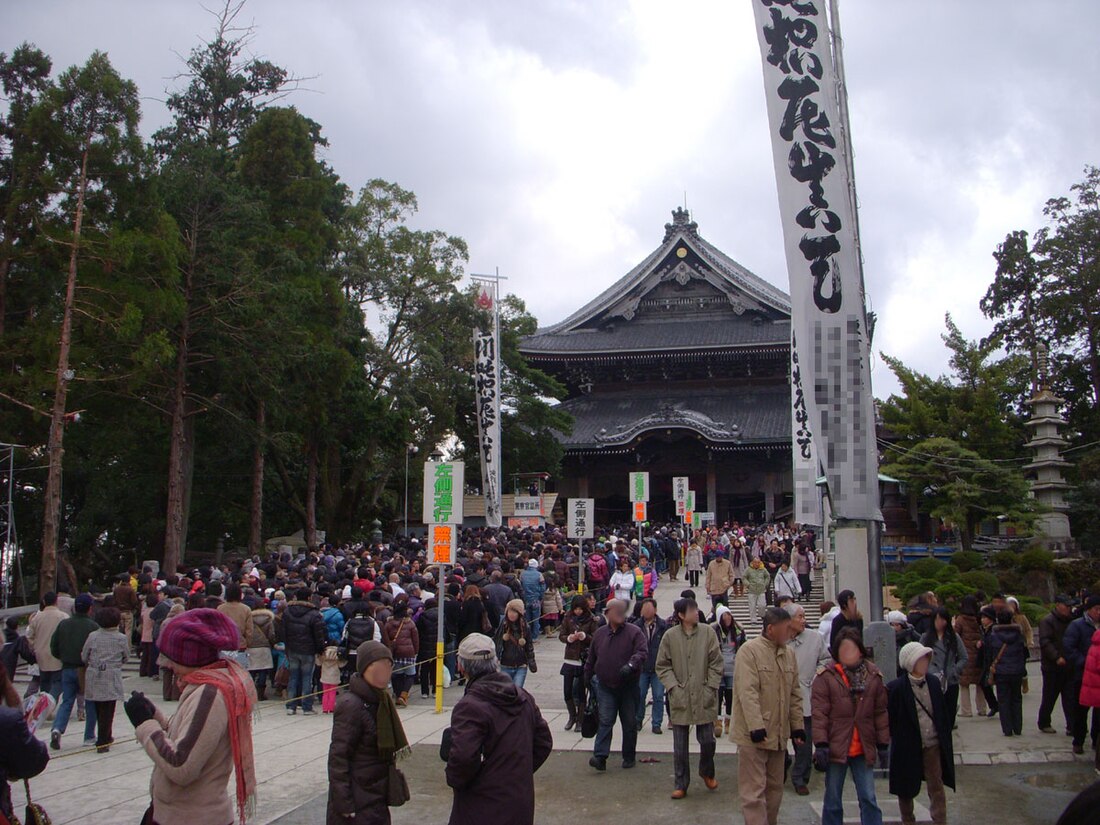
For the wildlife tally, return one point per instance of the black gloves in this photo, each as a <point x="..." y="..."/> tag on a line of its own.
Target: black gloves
<point x="821" y="757"/>
<point x="138" y="708"/>
<point x="884" y="756"/>
<point x="445" y="745"/>
<point x="758" y="735"/>
<point x="798" y="736"/>
<point x="625" y="672"/>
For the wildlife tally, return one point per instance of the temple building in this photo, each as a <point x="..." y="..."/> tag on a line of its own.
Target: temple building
<point x="679" y="368"/>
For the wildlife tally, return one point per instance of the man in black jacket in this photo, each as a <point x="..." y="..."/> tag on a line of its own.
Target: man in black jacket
<point x="615" y="659"/>
<point x="302" y="631"/>
<point x="654" y="627"/>
<point x="1057" y="671"/>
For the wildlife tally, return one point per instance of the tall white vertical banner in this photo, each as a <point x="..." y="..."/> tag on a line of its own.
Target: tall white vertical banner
<point x="828" y="319"/>
<point x="487" y="382"/>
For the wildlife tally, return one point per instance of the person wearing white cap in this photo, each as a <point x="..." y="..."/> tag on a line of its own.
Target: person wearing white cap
<point x="903" y="632"/>
<point x="920" y="737"/>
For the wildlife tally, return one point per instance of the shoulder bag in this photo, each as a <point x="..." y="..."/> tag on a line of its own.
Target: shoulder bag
<point x="991" y="674"/>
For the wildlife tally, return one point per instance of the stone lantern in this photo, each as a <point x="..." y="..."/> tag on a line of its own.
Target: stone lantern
<point x="1047" y="483"/>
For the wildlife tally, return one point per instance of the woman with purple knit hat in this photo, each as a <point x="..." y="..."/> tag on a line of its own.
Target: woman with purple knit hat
<point x="210" y="734"/>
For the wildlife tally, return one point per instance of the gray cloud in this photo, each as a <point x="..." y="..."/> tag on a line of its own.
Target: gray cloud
<point x="555" y="137"/>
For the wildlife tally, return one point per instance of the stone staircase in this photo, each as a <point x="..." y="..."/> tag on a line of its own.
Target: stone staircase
<point x="739" y="606"/>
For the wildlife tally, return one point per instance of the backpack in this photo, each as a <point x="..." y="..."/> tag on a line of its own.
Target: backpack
<point x="359" y="629"/>
<point x="597" y="568"/>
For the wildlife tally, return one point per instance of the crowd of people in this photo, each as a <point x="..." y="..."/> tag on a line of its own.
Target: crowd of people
<point x="357" y="627"/>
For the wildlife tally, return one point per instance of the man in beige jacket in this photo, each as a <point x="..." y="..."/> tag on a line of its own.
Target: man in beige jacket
<point x="767" y="712"/>
<point x="39" y="633"/>
<point x="719" y="581"/>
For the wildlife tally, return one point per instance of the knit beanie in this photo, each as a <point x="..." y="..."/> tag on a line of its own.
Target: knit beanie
<point x="912" y="653"/>
<point x="516" y="605"/>
<point x="196" y="637"/>
<point x="370" y="652"/>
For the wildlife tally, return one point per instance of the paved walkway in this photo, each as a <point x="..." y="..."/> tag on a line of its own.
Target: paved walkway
<point x="85" y="787"/>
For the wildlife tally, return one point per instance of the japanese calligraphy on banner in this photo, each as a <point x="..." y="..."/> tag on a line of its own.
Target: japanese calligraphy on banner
<point x="816" y="206"/>
<point x="443" y="483"/>
<point x="639" y="486"/>
<point x="580" y="514"/>
<point x="680" y="486"/>
<point x="442" y="543"/>
<point x="689" y="502"/>
<point x="487" y="383"/>
<point x="639" y="509"/>
<point x="807" y="497"/>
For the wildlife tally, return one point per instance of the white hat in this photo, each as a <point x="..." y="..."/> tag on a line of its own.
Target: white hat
<point x="532" y="563"/>
<point x="912" y="653"/>
<point x="346" y="592"/>
<point x="477" y="646"/>
<point x="896" y="617"/>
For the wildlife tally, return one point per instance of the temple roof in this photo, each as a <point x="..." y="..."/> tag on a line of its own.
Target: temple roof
<point x="686" y="294"/>
<point x="743" y="417"/>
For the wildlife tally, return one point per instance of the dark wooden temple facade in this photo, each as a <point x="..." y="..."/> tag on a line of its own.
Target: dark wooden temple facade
<point x="680" y="368"/>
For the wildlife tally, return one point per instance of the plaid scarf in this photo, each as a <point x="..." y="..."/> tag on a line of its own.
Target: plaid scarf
<point x="239" y="693"/>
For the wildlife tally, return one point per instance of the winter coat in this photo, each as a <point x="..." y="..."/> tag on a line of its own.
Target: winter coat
<point x="263" y="628"/>
<point x="1090" y="678"/>
<point x="427" y="629"/>
<point x="39" y="633"/>
<point x="400" y="636"/>
<point x="1076" y="642"/>
<point x="241" y="614"/>
<point x="969" y="629"/>
<point x="906" y="745"/>
<point x="331" y="664"/>
<point x="1013" y="661"/>
<point x="104" y="653"/>
<point x="766" y="695"/>
<point x="510" y="652"/>
<point x="358" y="777"/>
<point x="68" y="640"/>
<point x="16" y="647"/>
<point x="787" y="584"/>
<point x="757" y="580"/>
<point x="728" y="643"/>
<point x="719" y="577"/>
<point x="552" y="603"/>
<point x="302" y="629"/>
<point x="498" y="739"/>
<point x="802" y="562"/>
<point x="689" y="665"/>
<point x="948" y="660"/>
<point x="358" y="629"/>
<point x="334" y="623"/>
<point x="533" y="586"/>
<point x="693" y="560"/>
<point x="577" y="651"/>
<point x="811" y="656"/>
<point x="1052" y="631"/>
<point x="470" y="621"/>
<point x="611" y="650"/>
<point x="622" y="585"/>
<point x="22" y="754"/>
<point x="654" y="642"/>
<point x="837" y="712"/>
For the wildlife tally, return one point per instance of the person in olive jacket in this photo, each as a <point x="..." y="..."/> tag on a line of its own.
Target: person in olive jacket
<point x="367" y="738"/>
<point x="920" y="738"/>
<point x="850" y="726"/>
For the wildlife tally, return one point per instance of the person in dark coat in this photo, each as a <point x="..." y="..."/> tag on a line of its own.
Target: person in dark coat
<point x="427" y="629"/>
<point x="920" y="738"/>
<point x="849" y="616"/>
<point x="302" y="630"/>
<point x="1008" y="663"/>
<point x="496" y="742"/>
<point x="367" y="738"/>
<point x="1056" y="668"/>
<point x="22" y="754"/>
<point x="474" y="618"/>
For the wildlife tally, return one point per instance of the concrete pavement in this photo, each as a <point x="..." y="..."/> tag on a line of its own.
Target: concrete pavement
<point x="291" y="752"/>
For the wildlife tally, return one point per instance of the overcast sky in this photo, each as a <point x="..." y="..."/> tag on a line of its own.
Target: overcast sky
<point x="555" y="137"/>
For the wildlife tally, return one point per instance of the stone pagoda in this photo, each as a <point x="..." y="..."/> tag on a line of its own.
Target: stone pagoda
<point x="1047" y="484"/>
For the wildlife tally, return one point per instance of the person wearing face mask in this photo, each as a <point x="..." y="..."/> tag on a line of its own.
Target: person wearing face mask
<point x="920" y="738"/>
<point x="767" y="713"/>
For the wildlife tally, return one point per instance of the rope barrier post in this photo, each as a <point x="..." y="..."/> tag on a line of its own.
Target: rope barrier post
<point x="439" y="646"/>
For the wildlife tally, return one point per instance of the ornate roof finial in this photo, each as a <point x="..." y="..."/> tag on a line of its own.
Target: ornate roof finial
<point x="681" y="222"/>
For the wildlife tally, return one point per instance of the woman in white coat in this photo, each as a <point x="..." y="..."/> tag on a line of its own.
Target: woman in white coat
<point x="786" y="583"/>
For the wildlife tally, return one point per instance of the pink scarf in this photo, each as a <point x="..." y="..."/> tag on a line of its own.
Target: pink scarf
<point x="239" y="693"/>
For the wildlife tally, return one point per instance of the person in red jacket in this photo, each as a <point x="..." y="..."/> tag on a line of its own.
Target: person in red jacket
<point x="1090" y="682"/>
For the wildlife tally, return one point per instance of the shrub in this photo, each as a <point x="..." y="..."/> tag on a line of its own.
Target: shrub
<point x="1036" y="559"/>
<point x="951" y="593"/>
<point x="947" y="573"/>
<point x="981" y="580"/>
<point x="913" y="586"/>
<point x="924" y="568"/>
<point x="1004" y="559"/>
<point x="1034" y="609"/>
<point x="967" y="560"/>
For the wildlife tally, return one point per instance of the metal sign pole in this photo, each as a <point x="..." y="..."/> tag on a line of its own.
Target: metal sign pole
<point x="439" y="646"/>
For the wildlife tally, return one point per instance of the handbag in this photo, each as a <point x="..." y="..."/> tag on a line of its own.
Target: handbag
<point x="590" y="719"/>
<point x="991" y="674"/>
<point x="486" y="625"/>
<point x="397" y="788"/>
<point x="35" y="813"/>
<point x="282" y="678"/>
